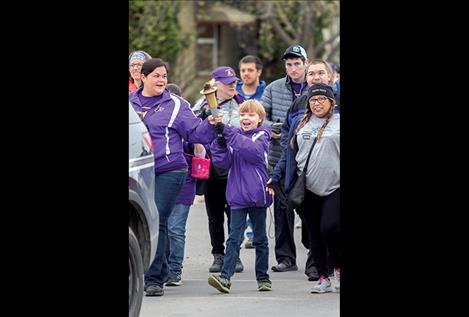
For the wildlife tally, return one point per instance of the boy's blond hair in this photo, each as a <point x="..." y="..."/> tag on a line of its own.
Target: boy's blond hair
<point x="253" y="105"/>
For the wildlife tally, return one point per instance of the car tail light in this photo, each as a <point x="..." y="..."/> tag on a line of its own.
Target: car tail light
<point x="148" y="141"/>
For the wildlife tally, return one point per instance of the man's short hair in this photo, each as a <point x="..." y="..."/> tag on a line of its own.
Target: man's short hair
<point x="251" y="59"/>
<point x="318" y="61"/>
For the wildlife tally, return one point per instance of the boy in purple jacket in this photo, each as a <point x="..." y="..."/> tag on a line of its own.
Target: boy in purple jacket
<point x="245" y="155"/>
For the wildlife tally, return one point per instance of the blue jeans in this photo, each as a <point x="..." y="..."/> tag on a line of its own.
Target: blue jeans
<point x="260" y="242"/>
<point x="177" y="238"/>
<point x="167" y="188"/>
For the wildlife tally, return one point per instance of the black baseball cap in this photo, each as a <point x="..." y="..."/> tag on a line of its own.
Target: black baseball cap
<point x="295" y="51"/>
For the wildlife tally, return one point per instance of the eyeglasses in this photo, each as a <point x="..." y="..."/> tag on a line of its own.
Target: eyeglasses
<point x="135" y="65"/>
<point x="319" y="99"/>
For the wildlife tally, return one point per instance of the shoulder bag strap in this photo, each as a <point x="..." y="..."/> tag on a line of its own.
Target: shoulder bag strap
<point x="309" y="155"/>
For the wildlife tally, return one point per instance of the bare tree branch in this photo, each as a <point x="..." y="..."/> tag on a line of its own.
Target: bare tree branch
<point x="334" y="51"/>
<point x="272" y="18"/>
<point x="324" y="43"/>
<point x="306" y="37"/>
<point x="281" y="14"/>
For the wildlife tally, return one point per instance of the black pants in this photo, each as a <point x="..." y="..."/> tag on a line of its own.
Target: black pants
<point x="285" y="249"/>
<point x="306" y="241"/>
<point x="322" y="219"/>
<point x="217" y="207"/>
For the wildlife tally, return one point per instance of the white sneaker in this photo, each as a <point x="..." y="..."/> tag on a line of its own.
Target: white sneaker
<point x="337" y="279"/>
<point x="323" y="285"/>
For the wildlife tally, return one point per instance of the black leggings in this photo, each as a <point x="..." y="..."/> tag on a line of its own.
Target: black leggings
<point x="217" y="208"/>
<point x="321" y="215"/>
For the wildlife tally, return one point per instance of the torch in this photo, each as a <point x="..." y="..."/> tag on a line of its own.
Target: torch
<point x="209" y="93"/>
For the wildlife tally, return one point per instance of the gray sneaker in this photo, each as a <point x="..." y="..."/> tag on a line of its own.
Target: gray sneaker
<point x="153" y="290"/>
<point x="220" y="283"/>
<point x="284" y="267"/>
<point x="217" y="263"/>
<point x="174" y="280"/>
<point x="323" y="285"/>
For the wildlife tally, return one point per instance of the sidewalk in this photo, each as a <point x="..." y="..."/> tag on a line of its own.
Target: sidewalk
<point x="290" y="295"/>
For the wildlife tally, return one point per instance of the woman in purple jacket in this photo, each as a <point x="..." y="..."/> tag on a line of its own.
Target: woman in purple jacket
<point x="169" y="120"/>
<point x="245" y="155"/>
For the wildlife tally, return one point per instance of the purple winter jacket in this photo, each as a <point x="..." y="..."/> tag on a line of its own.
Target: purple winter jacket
<point x="246" y="158"/>
<point x="170" y="121"/>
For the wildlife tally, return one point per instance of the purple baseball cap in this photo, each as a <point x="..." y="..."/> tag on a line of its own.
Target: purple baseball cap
<point x="224" y="74"/>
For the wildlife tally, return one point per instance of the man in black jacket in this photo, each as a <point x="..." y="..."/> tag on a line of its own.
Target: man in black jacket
<point x="318" y="71"/>
<point x="277" y="98"/>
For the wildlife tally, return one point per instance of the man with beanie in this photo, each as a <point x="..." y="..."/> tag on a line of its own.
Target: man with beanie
<point x="277" y="98"/>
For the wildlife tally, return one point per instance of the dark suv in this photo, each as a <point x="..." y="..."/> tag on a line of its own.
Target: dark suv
<point x="143" y="214"/>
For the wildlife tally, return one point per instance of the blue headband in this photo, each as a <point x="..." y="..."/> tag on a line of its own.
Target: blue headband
<point x="138" y="55"/>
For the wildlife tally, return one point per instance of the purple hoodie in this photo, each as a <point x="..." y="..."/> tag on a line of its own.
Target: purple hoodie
<point x="246" y="158"/>
<point x="169" y="121"/>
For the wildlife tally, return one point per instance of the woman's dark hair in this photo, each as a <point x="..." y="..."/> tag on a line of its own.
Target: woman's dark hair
<point x="150" y="65"/>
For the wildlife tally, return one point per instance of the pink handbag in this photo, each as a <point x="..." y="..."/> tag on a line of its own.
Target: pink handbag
<point x="200" y="167"/>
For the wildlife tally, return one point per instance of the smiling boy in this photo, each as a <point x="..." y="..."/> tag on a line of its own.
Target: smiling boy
<point x="245" y="155"/>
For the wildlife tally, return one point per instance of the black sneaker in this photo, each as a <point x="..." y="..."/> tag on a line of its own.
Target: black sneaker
<point x="284" y="267"/>
<point x="312" y="276"/>
<point x="239" y="266"/>
<point x="217" y="263"/>
<point x="264" y="285"/>
<point x="220" y="283"/>
<point x="153" y="290"/>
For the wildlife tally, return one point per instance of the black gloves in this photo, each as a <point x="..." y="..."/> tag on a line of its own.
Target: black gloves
<point x="221" y="141"/>
<point x="219" y="127"/>
<point x="204" y="113"/>
<point x="277" y="127"/>
<point x="220" y="138"/>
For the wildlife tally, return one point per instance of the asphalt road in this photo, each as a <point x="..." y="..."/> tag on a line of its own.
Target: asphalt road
<point x="290" y="295"/>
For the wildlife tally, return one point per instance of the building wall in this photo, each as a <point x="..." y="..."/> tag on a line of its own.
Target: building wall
<point x="184" y="71"/>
